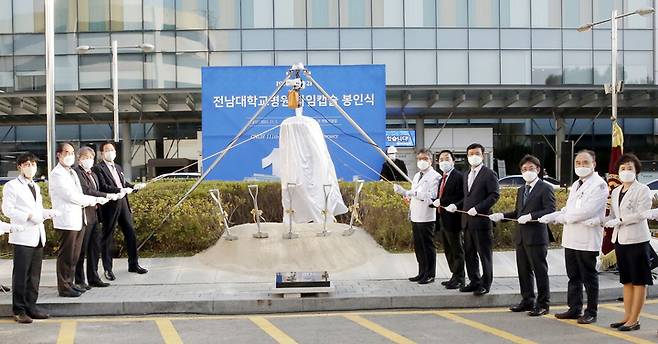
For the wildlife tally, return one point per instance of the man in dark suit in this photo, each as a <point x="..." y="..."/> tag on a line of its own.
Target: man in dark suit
<point x="388" y="172"/>
<point x="111" y="180"/>
<point x="481" y="191"/>
<point x="533" y="200"/>
<point x="451" y="190"/>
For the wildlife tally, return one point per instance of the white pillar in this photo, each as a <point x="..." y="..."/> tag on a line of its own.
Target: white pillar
<point x="50" y="83"/>
<point x="420" y="133"/>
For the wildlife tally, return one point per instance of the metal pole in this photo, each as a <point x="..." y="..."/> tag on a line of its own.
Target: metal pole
<point x="50" y="82"/>
<point x="614" y="65"/>
<point x="115" y="90"/>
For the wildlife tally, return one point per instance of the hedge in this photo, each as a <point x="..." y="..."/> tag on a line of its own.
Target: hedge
<point x="195" y="225"/>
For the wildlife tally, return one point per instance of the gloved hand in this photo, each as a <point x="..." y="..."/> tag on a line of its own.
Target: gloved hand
<point x="451" y="208"/>
<point x="102" y="200"/>
<point x="523" y="219"/>
<point x="650" y="214"/>
<point x="113" y="197"/>
<point x="548" y="218"/>
<point x="560" y="219"/>
<point x="14" y="228"/>
<point x="140" y="186"/>
<point x="497" y="217"/>
<point x="437" y="203"/>
<point x="612" y="223"/>
<point x="127" y="191"/>
<point x="398" y="189"/>
<point x="594" y="222"/>
<point x="472" y="212"/>
<point x="51" y="213"/>
<point x="36" y="219"/>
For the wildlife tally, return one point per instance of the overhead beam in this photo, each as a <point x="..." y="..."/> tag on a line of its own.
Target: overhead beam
<point x="432" y="99"/>
<point x="59" y="105"/>
<point x="511" y="99"/>
<point x="588" y="98"/>
<point x="82" y="103"/>
<point x="637" y="98"/>
<point x="108" y="103"/>
<point x="189" y="102"/>
<point x="163" y="102"/>
<point x="136" y="102"/>
<point x="29" y="104"/>
<point x="536" y="98"/>
<point x="5" y="106"/>
<point x="459" y="98"/>
<point x="486" y="97"/>
<point x="406" y="98"/>
<point x="562" y="98"/>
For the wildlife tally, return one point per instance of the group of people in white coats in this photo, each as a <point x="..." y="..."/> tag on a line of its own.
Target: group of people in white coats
<point x="83" y="195"/>
<point x="583" y="218"/>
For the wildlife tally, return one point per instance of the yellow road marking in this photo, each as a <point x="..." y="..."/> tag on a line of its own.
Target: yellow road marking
<point x="380" y="330"/>
<point x="643" y="314"/>
<point x="485" y="328"/>
<point x="168" y="332"/>
<point x="66" y="332"/>
<point x="602" y="330"/>
<point x="272" y="330"/>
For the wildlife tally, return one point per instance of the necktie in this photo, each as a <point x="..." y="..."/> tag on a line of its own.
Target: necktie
<point x="580" y="183"/>
<point x="115" y="176"/>
<point x="34" y="191"/>
<point x="91" y="178"/>
<point x="471" y="177"/>
<point x="420" y="176"/>
<point x="443" y="184"/>
<point x="526" y="194"/>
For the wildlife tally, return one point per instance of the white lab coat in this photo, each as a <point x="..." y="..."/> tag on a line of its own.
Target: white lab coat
<point x="67" y="198"/>
<point x="17" y="204"/>
<point x="4" y="227"/>
<point x="633" y="229"/>
<point x="426" y="190"/>
<point x="585" y="202"/>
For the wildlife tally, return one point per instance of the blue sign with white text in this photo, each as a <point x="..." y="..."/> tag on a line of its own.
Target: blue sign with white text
<point x="401" y="138"/>
<point x="232" y="95"/>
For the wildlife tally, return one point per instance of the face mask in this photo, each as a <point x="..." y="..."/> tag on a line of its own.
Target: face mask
<point x="474" y="160"/>
<point x="626" y="176"/>
<point x="446" y="166"/>
<point x="29" y="172"/>
<point x="68" y="161"/>
<point x="583" y="171"/>
<point x="110" y="155"/>
<point x="422" y="164"/>
<point x="392" y="156"/>
<point x="529" y="176"/>
<point x="87" y="163"/>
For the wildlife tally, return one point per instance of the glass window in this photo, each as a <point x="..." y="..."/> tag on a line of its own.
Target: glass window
<point x="355" y="57"/>
<point x="160" y="70"/>
<point x="290" y="39"/>
<point x="637" y="40"/>
<point x="260" y="58"/>
<point x="6" y="44"/>
<point x="95" y="71"/>
<point x="387" y="13"/>
<point x="94" y="15"/>
<point x="483" y="67"/>
<point x="388" y="38"/>
<point x="224" y="40"/>
<point x="546" y="67"/>
<point x="515" y="13"/>
<point x="224" y="14"/>
<point x="131" y="71"/>
<point x="30" y="73"/>
<point x="483" y="13"/>
<point x="578" y="67"/>
<point x="188" y="69"/>
<point x="29" y="45"/>
<point x="127" y="39"/>
<point x="515" y="67"/>
<point x="6" y="72"/>
<point x="419" y="13"/>
<point x="66" y="73"/>
<point x="420" y="38"/>
<point x="159" y="14"/>
<point x="452" y="38"/>
<point x="95" y="40"/>
<point x="322" y="39"/>
<point x="452" y="13"/>
<point x="323" y="58"/>
<point x="289" y="58"/>
<point x="638" y="67"/>
<point x="66" y="16"/>
<point x="546" y="39"/>
<point x="603" y="10"/>
<point x="453" y="67"/>
<point x="31" y="132"/>
<point x="576" y="12"/>
<point x="546" y="13"/>
<point x="322" y="13"/>
<point x="483" y="38"/>
<point x="257" y="40"/>
<point x="355" y="39"/>
<point x="602" y="39"/>
<point x="602" y="67"/>
<point x="161" y="40"/>
<point x="5" y="17"/>
<point x="354" y="13"/>
<point x="65" y="43"/>
<point x="637" y="21"/>
<point x="394" y="61"/>
<point x="28" y="16"/>
<point x="420" y="67"/>
<point x="225" y="59"/>
<point x="257" y="13"/>
<point x="573" y="39"/>
<point x="126" y="15"/>
<point x="514" y="39"/>
<point x="191" y="40"/>
<point x="289" y="13"/>
<point x="191" y="14"/>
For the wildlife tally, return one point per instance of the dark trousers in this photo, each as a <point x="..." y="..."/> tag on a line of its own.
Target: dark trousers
<point x="423" y="235"/>
<point x="453" y="245"/>
<point x="26" y="277"/>
<point x="478" y="249"/>
<point x="70" y="244"/>
<point x="581" y="270"/>
<point x="91" y="249"/>
<point x="532" y="266"/>
<point x="124" y="219"/>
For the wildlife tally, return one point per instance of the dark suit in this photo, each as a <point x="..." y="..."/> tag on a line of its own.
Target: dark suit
<point x="115" y="213"/>
<point x="91" y="244"/>
<point x="450" y="232"/>
<point x="478" y="230"/>
<point x="532" y="241"/>
<point x="389" y="173"/>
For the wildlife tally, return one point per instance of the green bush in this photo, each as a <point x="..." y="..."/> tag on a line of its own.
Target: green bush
<point x="196" y="224"/>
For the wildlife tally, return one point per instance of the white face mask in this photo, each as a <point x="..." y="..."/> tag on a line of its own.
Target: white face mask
<point x="29" y="172"/>
<point x="423" y="164"/>
<point x="87" y="163"/>
<point x="626" y="176"/>
<point x="393" y="156"/>
<point x="446" y="166"/>
<point x="529" y="176"/>
<point x="583" y="171"/>
<point x="474" y="160"/>
<point x="109" y="155"/>
<point x="68" y="161"/>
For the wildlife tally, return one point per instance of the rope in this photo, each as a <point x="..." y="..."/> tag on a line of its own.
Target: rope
<point x="356" y="158"/>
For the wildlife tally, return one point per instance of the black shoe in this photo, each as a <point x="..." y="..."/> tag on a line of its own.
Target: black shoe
<point x="23" y="318"/>
<point x="78" y="289"/>
<point x="444" y="283"/>
<point x="426" y="280"/>
<point x="469" y="288"/>
<point x="137" y="269"/>
<point x="98" y="284"/>
<point x="109" y="275"/>
<point x="38" y="315"/>
<point x="83" y="286"/>
<point x="70" y="293"/>
<point x="633" y="327"/>
<point x="568" y="315"/>
<point x="454" y="285"/>
<point x="415" y="278"/>
<point x="481" y="291"/>
<point x="587" y="319"/>
<point x="538" y="311"/>
<point x="617" y="324"/>
<point x="4" y="288"/>
<point x="521" y="307"/>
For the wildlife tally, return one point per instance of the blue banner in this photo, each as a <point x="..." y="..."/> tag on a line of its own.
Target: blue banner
<point x="232" y="95"/>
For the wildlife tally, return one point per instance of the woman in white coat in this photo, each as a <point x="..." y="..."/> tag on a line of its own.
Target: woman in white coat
<point x="631" y="238"/>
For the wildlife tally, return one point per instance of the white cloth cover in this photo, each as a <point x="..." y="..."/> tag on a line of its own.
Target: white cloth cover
<point x="305" y="161"/>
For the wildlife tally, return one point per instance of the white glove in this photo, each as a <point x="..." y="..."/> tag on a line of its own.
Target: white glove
<point x="612" y="223"/>
<point x="472" y="212"/>
<point x="50" y="213"/>
<point x="595" y="222"/>
<point x="140" y="186"/>
<point x="560" y="219"/>
<point x="523" y="219"/>
<point x="127" y="191"/>
<point x="36" y="219"/>
<point x="437" y="203"/>
<point x="398" y="189"/>
<point x="650" y="214"/>
<point x="102" y="200"/>
<point x="451" y="208"/>
<point x="547" y="218"/>
<point x="409" y="193"/>
<point x="497" y="217"/>
<point x="113" y="197"/>
<point x="16" y="228"/>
